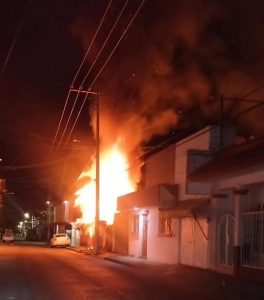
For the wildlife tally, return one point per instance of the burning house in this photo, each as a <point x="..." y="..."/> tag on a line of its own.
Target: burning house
<point x="114" y="181"/>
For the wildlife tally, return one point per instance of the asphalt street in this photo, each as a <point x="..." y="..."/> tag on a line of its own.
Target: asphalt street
<point x="38" y="272"/>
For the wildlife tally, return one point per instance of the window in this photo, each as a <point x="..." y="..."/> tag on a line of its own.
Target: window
<point x="165" y="226"/>
<point x="134" y="225"/>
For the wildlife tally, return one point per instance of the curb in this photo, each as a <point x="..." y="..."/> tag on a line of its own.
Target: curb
<point x="113" y="258"/>
<point x="121" y="262"/>
<point x="77" y="250"/>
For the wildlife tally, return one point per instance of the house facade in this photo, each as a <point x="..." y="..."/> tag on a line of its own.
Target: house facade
<point x="236" y="176"/>
<point x="184" y="216"/>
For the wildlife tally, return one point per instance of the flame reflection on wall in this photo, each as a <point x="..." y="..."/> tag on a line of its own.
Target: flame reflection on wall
<point x="114" y="182"/>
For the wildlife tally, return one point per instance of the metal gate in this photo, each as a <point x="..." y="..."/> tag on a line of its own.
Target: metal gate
<point x="225" y="253"/>
<point x="252" y="239"/>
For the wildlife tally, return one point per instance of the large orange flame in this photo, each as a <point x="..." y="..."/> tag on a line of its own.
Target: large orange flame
<point x="114" y="182"/>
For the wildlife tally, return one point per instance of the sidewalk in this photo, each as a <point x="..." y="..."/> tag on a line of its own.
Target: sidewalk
<point x="203" y="281"/>
<point x="121" y="259"/>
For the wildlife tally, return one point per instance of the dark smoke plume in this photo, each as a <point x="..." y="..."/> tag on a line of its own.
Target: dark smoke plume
<point x="179" y="56"/>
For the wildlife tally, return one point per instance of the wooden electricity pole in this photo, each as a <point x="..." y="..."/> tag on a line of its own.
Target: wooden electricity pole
<point x="96" y="228"/>
<point x="97" y="153"/>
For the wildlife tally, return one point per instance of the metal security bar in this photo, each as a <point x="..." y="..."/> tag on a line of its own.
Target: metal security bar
<point x="225" y="253"/>
<point x="252" y="239"/>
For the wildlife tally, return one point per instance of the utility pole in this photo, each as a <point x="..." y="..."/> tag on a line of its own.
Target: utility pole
<point x="96" y="228"/>
<point x="97" y="153"/>
<point x="221" y="121"/>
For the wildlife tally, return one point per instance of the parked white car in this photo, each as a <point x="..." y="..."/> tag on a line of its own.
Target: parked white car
<point x="8" y="236"/>
<point x="60" y="239"/>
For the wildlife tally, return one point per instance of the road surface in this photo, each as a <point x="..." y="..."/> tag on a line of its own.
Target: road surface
<point x="34" y="272"/>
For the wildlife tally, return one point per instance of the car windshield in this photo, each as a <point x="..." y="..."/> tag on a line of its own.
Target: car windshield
<point x="60" y="235"/>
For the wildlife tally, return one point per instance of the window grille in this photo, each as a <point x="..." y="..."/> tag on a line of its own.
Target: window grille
<point x="252" y="239"/>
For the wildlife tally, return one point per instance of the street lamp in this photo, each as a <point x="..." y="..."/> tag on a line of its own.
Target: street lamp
<point x="33" y="219"/>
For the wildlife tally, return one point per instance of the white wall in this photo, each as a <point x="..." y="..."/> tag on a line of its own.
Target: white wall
<point x="194" y="245"/>
<point x="200" y="142"/>
<point x="159" y="248"/>
<point x="159" y="168"/>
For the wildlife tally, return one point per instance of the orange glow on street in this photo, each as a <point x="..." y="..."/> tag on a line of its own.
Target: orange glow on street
<point x="114" y="182"/>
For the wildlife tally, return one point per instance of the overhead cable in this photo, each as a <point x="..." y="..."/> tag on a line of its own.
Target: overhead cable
<point x="93" y="39"/>
<point x="104" y="44"/>
<point x="118" y="42"/>
<point x="77" y="73"/>
<point x="253" y="91"/>
<point x="59" y="125"/>
<point x="19" y="28"/>
<point x="89" y="71"/>
<point x="101" y="69"/>
<point x="68" y="120"/>
<point x="87" y="74"/>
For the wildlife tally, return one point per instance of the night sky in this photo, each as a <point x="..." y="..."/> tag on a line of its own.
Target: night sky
<point x="167" y="73"/>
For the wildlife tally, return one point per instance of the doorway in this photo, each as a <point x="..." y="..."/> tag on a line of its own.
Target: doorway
<point x="144" y="235"/>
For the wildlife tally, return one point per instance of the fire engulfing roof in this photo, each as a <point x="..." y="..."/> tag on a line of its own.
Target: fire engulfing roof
<point x="231" y="161"/>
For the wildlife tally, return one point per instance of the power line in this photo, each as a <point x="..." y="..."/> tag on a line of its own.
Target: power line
<point x="106" y="40"/>
<point x="118" y="42"/>
<point x="107" y="60"/>
<point x="37" y="136"/>
<point x="79" y="112"/>
<point x="31" y="166"/>
<point x="84" y="58"/>
<point x="87" y="74"/>
<point x="68" y="120"/>
<point x="19" y="28"/>
<point x="93" y="39"/>
<point x="60" y="121"/>
<point x="253" y="91"/>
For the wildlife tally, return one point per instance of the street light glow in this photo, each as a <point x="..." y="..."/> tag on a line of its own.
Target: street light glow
<point x="26" y="215"/>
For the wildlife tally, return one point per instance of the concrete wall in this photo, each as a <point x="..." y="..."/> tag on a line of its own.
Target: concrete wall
<point x="159" y="167"/>
<point x="159" y="248"/>
<point x="194" y="245"/>
<point x="162" y="248"/>
<point x="200" y="142"/>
